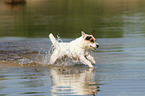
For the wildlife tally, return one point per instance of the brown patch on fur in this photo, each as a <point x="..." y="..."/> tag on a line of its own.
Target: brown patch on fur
<point x="89" y="38"/>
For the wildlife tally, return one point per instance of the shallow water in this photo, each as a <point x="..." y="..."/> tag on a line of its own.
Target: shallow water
<point x="24" y="48"/>
<point x="119" y="71"/>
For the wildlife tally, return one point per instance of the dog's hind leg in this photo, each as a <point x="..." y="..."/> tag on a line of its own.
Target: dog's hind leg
<point x="85" y="61"/>
<point x="54" y="57"/>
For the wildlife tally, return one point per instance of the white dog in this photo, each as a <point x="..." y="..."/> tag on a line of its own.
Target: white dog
<point x="77" y="49"/>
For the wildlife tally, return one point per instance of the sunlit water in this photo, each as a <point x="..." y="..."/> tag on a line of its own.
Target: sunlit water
<point x="25" y="48"/>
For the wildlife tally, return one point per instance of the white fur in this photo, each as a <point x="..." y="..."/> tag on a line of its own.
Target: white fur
<point x="77" y="49"/>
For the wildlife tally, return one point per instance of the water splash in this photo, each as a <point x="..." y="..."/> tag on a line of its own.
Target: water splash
<point x="25" y="53"/>
<point x="24" y="61"/>
<point x="45" y="58"/>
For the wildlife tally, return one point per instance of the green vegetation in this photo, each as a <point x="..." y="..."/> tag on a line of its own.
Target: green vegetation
<point x="37" y="18"/>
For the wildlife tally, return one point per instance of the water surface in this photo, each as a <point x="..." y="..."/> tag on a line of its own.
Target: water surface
<point x="24" y="48"/>
<point x="120" y="67"/>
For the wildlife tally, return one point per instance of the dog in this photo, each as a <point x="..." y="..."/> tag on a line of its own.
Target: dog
<point x="77" y="49"/>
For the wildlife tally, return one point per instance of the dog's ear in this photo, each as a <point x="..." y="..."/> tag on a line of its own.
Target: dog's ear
<point x="92" y="32"/>
<point x="83" y="34"/>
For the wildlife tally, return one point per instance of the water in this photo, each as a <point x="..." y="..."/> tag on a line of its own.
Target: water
<point x="24" y="48"/>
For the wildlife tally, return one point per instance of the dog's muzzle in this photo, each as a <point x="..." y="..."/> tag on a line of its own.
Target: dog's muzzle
<point x="94" y="48"/>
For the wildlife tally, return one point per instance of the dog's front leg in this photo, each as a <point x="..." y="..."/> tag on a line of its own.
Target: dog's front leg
<point x="85" y="61"/>
<point x="91" y="58"/>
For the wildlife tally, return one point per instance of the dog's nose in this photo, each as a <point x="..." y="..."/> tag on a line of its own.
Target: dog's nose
<point x="97" y="46"/>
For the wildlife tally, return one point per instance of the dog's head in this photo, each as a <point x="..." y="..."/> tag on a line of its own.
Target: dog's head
<point x="90" y="41"/>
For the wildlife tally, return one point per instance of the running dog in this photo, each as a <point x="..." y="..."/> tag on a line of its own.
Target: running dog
<point x="77" y="49"/>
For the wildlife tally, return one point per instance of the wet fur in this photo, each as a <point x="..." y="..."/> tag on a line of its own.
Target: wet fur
<point x="76" y="49"/>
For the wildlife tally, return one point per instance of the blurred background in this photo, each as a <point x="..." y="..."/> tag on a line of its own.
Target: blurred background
<point x="37" y="18"/>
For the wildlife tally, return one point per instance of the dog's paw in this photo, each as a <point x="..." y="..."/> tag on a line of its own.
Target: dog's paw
<point x="94" y="62"/>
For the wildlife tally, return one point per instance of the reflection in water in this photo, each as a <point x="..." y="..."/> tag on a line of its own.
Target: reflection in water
<point x="14" y="7"/>
<point x="38" y="17"/>
<point x="67" y="81"/>
<point x="14" y="1"/>
<point x="9" y="6"/>
<point x="120" y="59"/>
<point x="46" y="81"/>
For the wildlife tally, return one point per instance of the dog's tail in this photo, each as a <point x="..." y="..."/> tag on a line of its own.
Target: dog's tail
<point x="52" y="38"/>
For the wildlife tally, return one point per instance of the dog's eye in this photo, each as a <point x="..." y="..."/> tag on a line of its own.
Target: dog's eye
<point x="92" y="40"/>
<point x="88" y="38"/>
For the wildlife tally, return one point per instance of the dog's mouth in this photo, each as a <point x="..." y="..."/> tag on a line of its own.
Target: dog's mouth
<point x="92" y="48"/>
